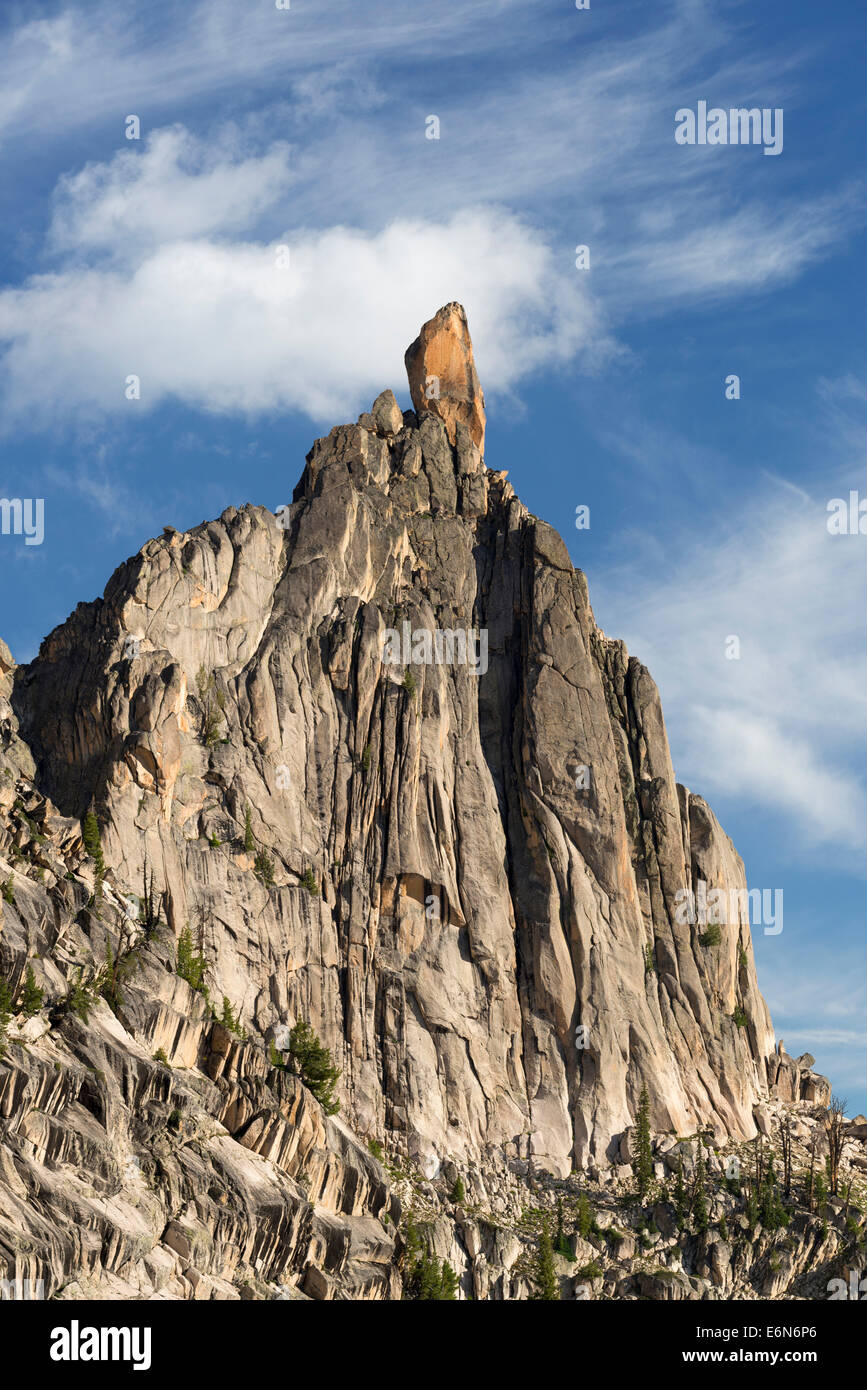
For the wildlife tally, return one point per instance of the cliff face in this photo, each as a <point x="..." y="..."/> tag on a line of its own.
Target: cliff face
<point x="449" y="902"/>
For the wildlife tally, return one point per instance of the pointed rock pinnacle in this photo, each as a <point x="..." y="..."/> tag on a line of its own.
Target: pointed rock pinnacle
<point x="442" y="374"/>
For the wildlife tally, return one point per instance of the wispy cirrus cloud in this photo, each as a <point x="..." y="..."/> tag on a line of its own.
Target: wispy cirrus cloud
<point x="178" y="187"/>
<point x="784" y="726"/>
<point x="160" y="255"/>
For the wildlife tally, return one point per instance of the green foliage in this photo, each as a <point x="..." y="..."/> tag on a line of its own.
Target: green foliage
<point x="409" y="684"/>
<point x="561" y="1244"/>
<point x="459" y="1192"/>
<point x="723" y="1229"/>
<point x="81" y="997"/>
<point x="309" y="882"/>
<point x="649" y="962"/>
<point x="249" y="842"/>
<point x="365" y="759"/>
<point x="772" y="1213"/>
<point x="424" y="1278"/>
<point x="740" y="1017"/>
<point x="592" y="1270"/>
<point x="448" y="1284"/>
<point x="275" y="1056"/>
<point x="712" y="936"/>
<point x="214" y="841"/>
<point x="118" y="968"/>
<point x="699" y="1203"/>
<point x="160" y="1056"/>
<point x="742" y="956"/>
<point x="9" y="892"/>
<point x="229" y="1019"/>
<point x="312" y="1062"/>
<point x="376" y="1149"/>
<point x="191" y="965"/>
<point x="263" y="868"/>
<point x="545" y="1282"/>
<point x="586" y="1218"/>
<point x="5" y="1001"/>
<point x="31" y="995"/>
<point x="213" y="701"/>
<point x="149" y="908"/>
<point x="93" y="844"/>
<point x="643" y="1152"/>
<point x="680" y="1195"/>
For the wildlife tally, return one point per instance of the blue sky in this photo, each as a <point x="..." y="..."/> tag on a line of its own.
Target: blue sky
<point x="305" y="128"/>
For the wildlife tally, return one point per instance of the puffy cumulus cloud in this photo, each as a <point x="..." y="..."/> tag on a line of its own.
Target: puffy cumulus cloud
<point x="228" y="326"/>
<point x="177" y="187"/>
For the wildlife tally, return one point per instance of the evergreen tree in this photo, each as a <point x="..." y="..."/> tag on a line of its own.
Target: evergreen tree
<point x="263" y="868"/>
<point x="547" y="1286"/>
<point x="449" y="1284"/>
<point x="312" y="1062"/>
<point x="93" y="844"/>
<point x="643" y="1148"/>
<point x="5" y="1012"/>
<point x="191" y="964"/>
<point x="249" y="842"/>
<point x="31" y="995"/>
<point x="680" y="1195"/>
<point x="229" y="1019"/>
<point x="5" y="1002"/>
<point x="699" y="1205"/>
<point x="82" y="996"/>
<point x="149" y="911"/>
<point x="424" y="1279"/>
<point x="561" y="1244"/>
<point x="585" y="1216"/>
<point x="459" y="1192"/>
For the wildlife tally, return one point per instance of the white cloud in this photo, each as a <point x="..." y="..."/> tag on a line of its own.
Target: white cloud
<point x="784" y="727"/>
<point x="98" y="62"/>
<point x="754" y="248"/>
<point x="176" y="187"/>
<point x="225" y="327"/>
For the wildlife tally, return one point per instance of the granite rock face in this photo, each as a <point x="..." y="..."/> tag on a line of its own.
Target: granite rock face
<point x="468" y="859"/>
<point x="442" y="375"/>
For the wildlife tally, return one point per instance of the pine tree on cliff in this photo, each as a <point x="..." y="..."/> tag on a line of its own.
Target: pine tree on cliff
<point x="680" y="1195"/>
<point x="312" y="1062"/>
<point x="643" y="1149"/>
<point x="93" y="843"/>
<point x="547" y="1286"/>
<point x="699" y="1203"/>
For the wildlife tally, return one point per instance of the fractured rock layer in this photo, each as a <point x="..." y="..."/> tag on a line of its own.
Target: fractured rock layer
<point x="470" y="905"/>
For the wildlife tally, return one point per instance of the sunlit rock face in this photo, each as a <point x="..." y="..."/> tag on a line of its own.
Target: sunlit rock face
<point x="476" y="872"/>
<point x="442" y="375"/>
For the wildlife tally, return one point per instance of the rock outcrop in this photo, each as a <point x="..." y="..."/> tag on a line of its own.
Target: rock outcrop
<point x="376" y="754"/>
<point x="443" y="378"/>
